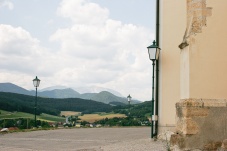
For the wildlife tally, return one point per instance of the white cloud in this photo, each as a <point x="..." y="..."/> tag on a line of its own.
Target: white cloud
<point x="20" y="52"/>
<point x="94" y="50"/>
<point x="16" y="41"/>
<point x="17" y="49"/>
<point x="80" y="12"/>
<point x="6" y="3"/>
<point x="106" y="52"/>
<point x="111" y="41"/>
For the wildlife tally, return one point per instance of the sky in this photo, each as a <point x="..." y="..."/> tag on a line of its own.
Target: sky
<point x="78" y="43"/>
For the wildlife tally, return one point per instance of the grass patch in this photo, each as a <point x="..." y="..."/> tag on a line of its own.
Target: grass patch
<point x="148" y="115"/>
<point x="13" y="115"/>
<point x="42" y="117"/>
<point x="51" y="118"/>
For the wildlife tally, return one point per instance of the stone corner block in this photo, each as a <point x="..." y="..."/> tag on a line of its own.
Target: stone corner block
<point x="189" y="103"/>
<point x="214" y="102"/>
<point x="201" y="103"/>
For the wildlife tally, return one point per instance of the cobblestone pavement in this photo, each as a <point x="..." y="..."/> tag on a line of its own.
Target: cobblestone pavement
<point x="82" y="139"/>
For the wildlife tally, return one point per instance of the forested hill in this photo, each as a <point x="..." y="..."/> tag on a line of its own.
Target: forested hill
<point x="25" y="103"/>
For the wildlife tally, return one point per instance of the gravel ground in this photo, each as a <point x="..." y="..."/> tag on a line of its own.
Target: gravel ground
<point x="82" y="139"/>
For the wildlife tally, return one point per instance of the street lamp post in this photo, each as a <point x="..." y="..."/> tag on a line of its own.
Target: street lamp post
<point x="36" y="83"/>
<point x="129" y="99"/>
<point x="153" y="52"/>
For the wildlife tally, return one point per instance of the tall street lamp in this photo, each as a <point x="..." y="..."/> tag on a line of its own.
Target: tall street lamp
<point x="129" y="99"/>
<point x="153" y="51"/>
<point x="36" y="83"/>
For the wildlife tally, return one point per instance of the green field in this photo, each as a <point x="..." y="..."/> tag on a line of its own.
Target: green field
<point x="70" y="113"/>
<point x="92" y="117"/>
<point x="96" y="117"/>
<point x="43" y="117"/>
<point x="51" y="118"/>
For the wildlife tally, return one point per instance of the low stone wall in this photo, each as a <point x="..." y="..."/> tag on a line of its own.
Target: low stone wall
<point x="200" y="124"/>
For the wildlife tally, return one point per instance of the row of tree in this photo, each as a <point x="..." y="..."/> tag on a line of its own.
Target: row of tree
<point x="137" y="115"/>
<point x="128" y="121"/>
<point x="138" y="110"/>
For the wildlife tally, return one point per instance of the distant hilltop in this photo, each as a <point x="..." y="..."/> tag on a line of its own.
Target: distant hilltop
<point x="81" y="90"/>
<point x="98" y="94"/>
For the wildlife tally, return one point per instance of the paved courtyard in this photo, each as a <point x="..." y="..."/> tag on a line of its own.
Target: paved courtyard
<point x="82" y="139"/>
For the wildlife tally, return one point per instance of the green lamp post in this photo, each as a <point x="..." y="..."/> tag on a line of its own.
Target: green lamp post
<point x="36" y="83"/>
<point x="153" y="51"/>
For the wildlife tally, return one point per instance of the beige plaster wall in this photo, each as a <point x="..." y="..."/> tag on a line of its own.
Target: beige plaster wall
<point x="172" y="24"/>
<point x="207" y="56"/>
<point x="197" y="71"/>
<point x="184" y="73"/>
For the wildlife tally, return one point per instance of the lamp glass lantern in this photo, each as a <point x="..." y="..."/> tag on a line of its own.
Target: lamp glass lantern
<point x="36" y="82"/>
<point x="129" y="98"/>
<point x="153" y="51"/>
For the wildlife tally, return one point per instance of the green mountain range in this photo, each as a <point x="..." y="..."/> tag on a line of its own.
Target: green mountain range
<point x="104" y="96"/>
